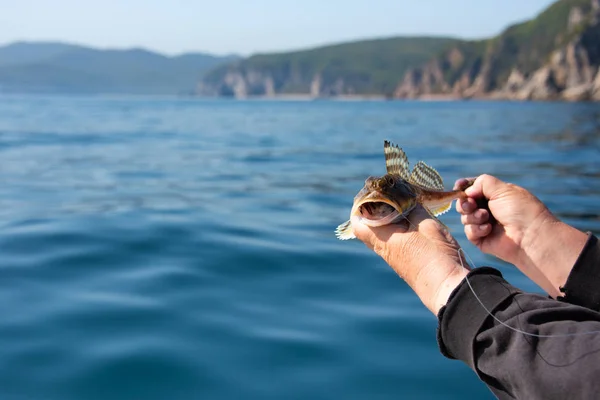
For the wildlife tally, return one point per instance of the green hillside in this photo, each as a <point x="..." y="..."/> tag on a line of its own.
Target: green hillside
<point x="437" y="64"/>
<point x="528" y="44"/>
<point x="525" y="46"/>
<point x="370" y="66"/>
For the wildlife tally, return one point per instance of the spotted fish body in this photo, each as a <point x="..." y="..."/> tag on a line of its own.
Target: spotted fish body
<point x="390" y="198"/>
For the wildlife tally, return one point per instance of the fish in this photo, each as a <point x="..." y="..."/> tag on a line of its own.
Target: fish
<point x="390" y="198"/>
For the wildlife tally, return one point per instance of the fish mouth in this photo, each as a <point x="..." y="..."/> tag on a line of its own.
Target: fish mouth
<point x="377" y="211"/>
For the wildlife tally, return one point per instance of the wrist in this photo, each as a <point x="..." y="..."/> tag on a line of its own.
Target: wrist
<point x="447" y="287"/>
<point x="550" y="252"/>
<point x="437" y="281"/>
<point x="534" y="237"/>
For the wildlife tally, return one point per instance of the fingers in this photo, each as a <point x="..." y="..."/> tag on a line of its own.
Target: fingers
<point x="466" y="206"/>
<point x="479" y="217"/>
<point x="463" y="183"/>
<point x="477" y="221"/>
<point x="478" y="190"/>
<point x="476" y="232"/>
<point x="486" y="186"/>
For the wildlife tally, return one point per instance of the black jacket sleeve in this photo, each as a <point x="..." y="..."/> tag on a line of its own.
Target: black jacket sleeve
<point x="512" y="363"/>
<point x="583" y="284"/>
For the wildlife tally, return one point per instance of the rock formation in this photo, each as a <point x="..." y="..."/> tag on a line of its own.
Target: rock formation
<point x="570" y="73"/>
<point x="555" y="56"/>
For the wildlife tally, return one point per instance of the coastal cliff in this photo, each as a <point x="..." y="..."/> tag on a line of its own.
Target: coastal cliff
<point x="555" y="56"/>
<point x="364" y="68"/>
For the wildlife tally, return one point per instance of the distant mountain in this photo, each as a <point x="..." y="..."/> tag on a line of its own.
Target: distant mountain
<point x="364" y="67"/>
<point x="57" y="67"/>
<point x="553" y="56"/>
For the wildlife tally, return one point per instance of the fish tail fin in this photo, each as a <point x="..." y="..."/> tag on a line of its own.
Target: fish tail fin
<point x="344" y="231"/>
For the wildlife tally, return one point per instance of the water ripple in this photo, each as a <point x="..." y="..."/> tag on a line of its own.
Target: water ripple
<point x="170" y="248"/>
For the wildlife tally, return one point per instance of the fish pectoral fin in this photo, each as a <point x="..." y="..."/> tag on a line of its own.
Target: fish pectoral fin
<point x="426" y="177"/>
<point x="440" y="209"/>
<point x="396" y="162"/>
<point x="434" y="216"/>
<point x="344" y="231"/>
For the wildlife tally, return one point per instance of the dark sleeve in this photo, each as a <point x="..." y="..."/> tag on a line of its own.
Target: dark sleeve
<point x="583" y="284"/>
<point x="514" y="364"/>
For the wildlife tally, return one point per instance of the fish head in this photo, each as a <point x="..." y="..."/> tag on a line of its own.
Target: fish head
<point x="384" y="199"/>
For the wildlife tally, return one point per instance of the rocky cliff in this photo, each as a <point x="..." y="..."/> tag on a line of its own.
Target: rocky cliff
<point x="553" y="57"/>
<point x="370" y="67"/>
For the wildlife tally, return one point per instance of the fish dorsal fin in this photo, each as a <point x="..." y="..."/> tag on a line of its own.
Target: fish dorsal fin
<point x="396" y="161"/>
<point x="426" y="177"/>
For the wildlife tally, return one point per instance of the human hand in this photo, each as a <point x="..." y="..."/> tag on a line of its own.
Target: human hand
<point x="518" y="228"/>
<point x="516" y="215"/>
<point x="421" y="252"/>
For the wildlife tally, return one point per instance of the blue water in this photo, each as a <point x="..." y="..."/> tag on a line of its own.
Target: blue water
<point x="158" y="248"/>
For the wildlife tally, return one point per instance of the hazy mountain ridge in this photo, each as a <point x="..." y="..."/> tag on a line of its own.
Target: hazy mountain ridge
<point x="59" y="67"/>
<point x="553" y="56"/>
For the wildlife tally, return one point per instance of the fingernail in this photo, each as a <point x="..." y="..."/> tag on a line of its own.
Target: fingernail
<point x="483" y="227"/>
<point x="466" y="206"/>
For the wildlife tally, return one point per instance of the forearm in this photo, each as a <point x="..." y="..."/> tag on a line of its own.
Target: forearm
<point x="549" y="251"/>
<point x="434" y="287"/>
<point x="564" y="363"/>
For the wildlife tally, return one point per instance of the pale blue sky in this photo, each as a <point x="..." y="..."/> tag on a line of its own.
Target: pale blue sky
<point x="249" y="26"/>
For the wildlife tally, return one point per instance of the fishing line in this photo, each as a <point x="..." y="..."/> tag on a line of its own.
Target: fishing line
<point x="504" y="323"/>
<point x="410" y="223"/>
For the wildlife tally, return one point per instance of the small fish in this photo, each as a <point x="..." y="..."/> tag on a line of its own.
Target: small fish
<point x="390" y="198"/>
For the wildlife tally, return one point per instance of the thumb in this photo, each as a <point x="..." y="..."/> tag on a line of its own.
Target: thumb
<point x="486" y="186"/>
<point x="376" y="237"/>
<point x="362" y="232"/>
